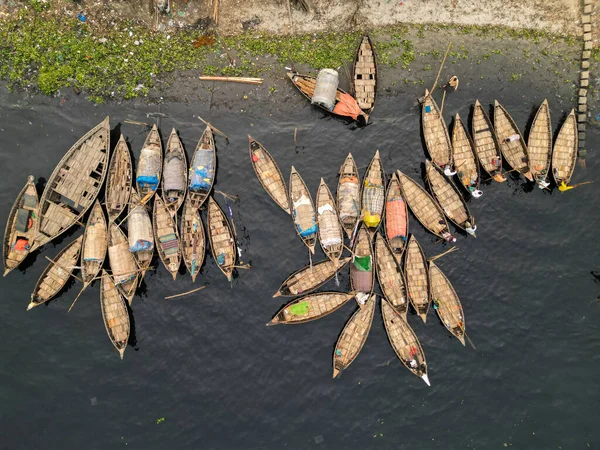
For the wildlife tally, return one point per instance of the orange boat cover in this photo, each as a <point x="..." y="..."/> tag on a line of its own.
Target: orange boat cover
<point x="347" y="106"/>
<point x="395" y="219"/>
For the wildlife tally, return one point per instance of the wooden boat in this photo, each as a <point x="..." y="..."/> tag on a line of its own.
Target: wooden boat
<point x="74" y="185"/>
<point x="485" y="143"/>
<point x="390" y="276"/>
<point x="362" y="276"/>
<point x="373" y="194"/>
<point x="141" y="235"/>
<point x="446" y="303"/>
<point x="539" y="145"/>
<point x="449" y="198"/>
<point x="417" y="279"/>
<point x="174" y="179"/>
<point x="124" y="269"/>
<point x="149" y="170"/>
<point x="348" y="195"/>
<point x="114" y="314"/>
<point x="311" y="307"/>
<point x="222" y="243"/>
<point x="94" y="245"/>
<point x="331" y="235"/>
<point x="424" y="207"/>
<point x="193" y="239"/>
<point x="465" y="159"/>
<point x="20" y="226"/>
<point x="303" y="211"/>
<point x="309" y="278"/>
<point x="353" y="337"/>
<point x="395" y="218"/>
<point x="167" y="237"/>
<point x="306" y="85"/>
<point x="268" y="174"/>
<point x="118" y="180"/>
<point x="514" y="151"/>
<point x="365" y="75"/>
<point x="202" y="169"/>
<point x="435" y="132"/>
<point x="404" y="341"/>
<point x="56" y="274"/>
<point x="565" y="151"/>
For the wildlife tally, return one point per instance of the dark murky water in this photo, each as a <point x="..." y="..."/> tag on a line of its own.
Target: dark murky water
<point x="222" y="380"/>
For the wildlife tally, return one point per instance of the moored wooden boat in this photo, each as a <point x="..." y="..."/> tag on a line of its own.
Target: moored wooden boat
<point x="94" y="245"/>
<point x="417" y="278"/>
<point x="309" y="278"/>
<point x="141" y="235"/>
<point x="222" y="243"/>
<point x="446" y="303"/>
<point x="365" y="75"/>
<point x="485" y="143"/>
<point x="373" y="194"/>
<point x="362" y="277"/>
<point x="149" y="169"/>
<point x="353" y="336"/>
<point x="539" y="145"/>
<point x="435" y="132"/>
<point x="114" y="314"/>
<point x="174" y="179"/>
<point x="449" y="198"/>
<point x="268" y="174"/>
<point x="311" y="307"/>
<point x="424" y="207"/>
<point x="512" y="144"/>
<point x="404" y="341"/>
<point x="565" y="151"/>
<point x="203" y="168"/>
<point x="465" y="159"/>
<point x="348" y="195"/>
<point x="395" y="218"/>
<point x="390" y="276"/>
<point x="193" y="239"/>
<point x="124" y="269"/>
<point x="118" y="180"/>
<point x="166" y="236"/>
<point x="56" y="274"/>
<point x="303" y="211"/>
<point x="331" y="235"/>
<point x="74" y="184"/>
<point x="20" y="226"/>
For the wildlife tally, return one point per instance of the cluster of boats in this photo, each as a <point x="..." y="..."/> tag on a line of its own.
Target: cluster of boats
<point x="130" y="241"/>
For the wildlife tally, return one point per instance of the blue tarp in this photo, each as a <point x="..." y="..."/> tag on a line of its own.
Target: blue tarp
<point x="202" y="171"/>
<point x="140" y="245"/>
<point x="148" y="181"/>
<point x="308" y="231"/>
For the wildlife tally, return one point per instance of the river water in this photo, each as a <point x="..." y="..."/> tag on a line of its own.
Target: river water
<point x="207" y="364"/>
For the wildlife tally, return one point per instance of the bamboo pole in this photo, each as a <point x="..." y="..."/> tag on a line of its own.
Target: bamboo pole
<point x="441" y="67"/>
<point x="450" y="250"/>
<point x="185" y="293"/>
<point x="216" y="11"/>
<point x="289" y="8"/>
<point x="247" y="80"/>
<point x="64" y="268"/>
<point x="219" y="132"/>
<point x="133" y="122"/>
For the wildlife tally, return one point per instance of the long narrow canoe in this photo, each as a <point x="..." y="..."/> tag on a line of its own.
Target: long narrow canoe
<point x="222" y="243"/>
<point x="390" y="276"/>
<point x="124" y="269"/>
<point x="193" y="239"/>
<point x="167" y="237"/>
<point x="424" y="207"/>
<point x="373" y="194"/>
<point x="435" y="132"/>
<point x="348" y="195"/>
<point x="365" y="75"/>
<point x="56" y="274"/>
<point x="309" y="278"/>
<point x="311" y="307"/>
<point x="404" y="341"/>
<point x="202" y="169"/>
<point x="396" y="218"/>
<point x="417" y="278"/>
<point x="331" y="235"/>
<point x="565" y="150"/>
<point x="449" y="198"/>
<point x="114" y="313"/>
<point x="303" y="211"/>
<point x="465" y="160"/>
<point x="362" y="276"/>
<point x="353" y="337"/>
<point x="149" y="170"/>
<point x="268" y="174"/>
<point x="95" y="245"/>
<point x="118" y="180"/>
<point x="174" y="179"/>
<point x="74" y="185"/>
<point x="141" y="235"/>
<point x="485" y="143"/>
<point x="20" y="226"/>
<point x="512" y="144"/>
<point x="539" y="145"/>
<point x="446" y="303"/>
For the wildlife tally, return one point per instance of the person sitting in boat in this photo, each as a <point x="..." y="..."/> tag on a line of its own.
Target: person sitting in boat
<point x="470" y="228"/>
<point x="452" y="83"/>
<point x="448" y="237"/>
<point x="475" y="192"/>
<point x="448" y="170"/>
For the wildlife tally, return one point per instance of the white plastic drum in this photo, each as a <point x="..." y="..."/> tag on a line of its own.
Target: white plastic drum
<point x="326" y="88"/>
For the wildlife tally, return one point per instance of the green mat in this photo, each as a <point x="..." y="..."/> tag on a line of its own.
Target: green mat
<point x="362" y="263"/>
<point x="299" y="309"/>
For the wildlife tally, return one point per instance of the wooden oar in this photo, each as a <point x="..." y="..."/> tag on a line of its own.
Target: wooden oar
<point x="450" y="250"/>
<point x="142" y="202"/>
<point x="64" y="268"/>
<point x="220" y="133"/>
<point x="185" y="293"/>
